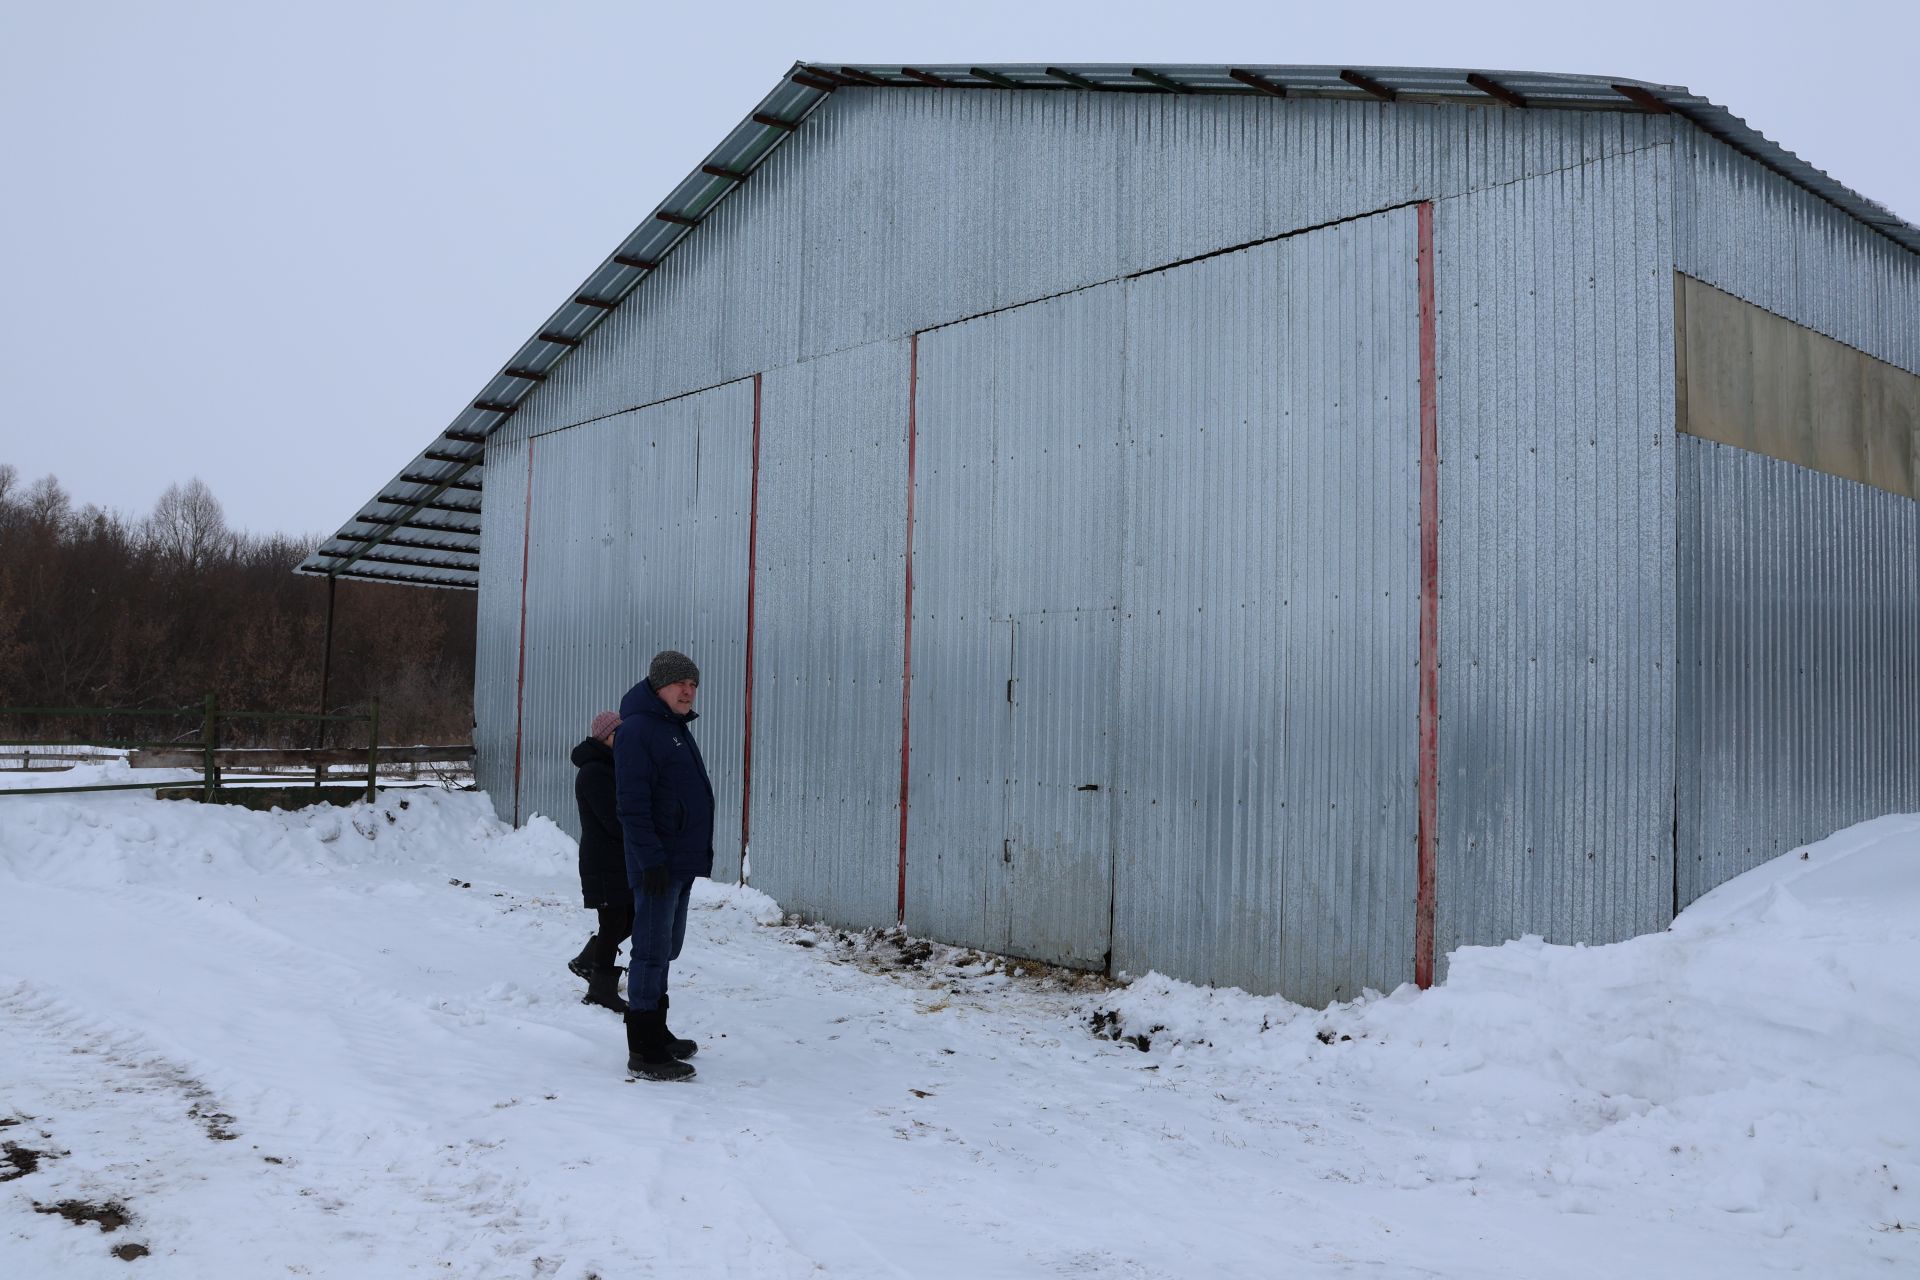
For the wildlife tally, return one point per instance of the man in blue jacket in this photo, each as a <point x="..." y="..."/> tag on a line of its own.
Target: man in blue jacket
<point x="665" y="803"/>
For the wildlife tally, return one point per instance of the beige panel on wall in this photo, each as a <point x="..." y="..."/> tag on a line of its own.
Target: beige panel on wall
<point x="1892" y="432"/>
<point x="1717" y="365"/>
<point x="1756" y="380"/>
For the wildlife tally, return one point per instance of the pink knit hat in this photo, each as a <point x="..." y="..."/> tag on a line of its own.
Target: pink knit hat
<point x="603" y="724"/>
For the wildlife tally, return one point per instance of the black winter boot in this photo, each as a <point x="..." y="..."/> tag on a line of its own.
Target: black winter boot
<point x="603" y="989"/>
<point x="647" y="1055"/>
<point x="582" y="964"/>
<point x="681" y="1049"/>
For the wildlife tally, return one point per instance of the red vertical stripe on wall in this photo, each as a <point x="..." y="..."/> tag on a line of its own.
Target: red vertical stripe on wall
<point x="753" y="543"/>
<point x="1423" y="925"/>
<point x="906" y="666"/>
<point x="520" y="681"/>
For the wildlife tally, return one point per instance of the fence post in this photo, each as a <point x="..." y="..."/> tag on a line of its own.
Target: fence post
<point x="373" y="748"/>
<point x="207" y="739"/>
<point x="326" y="673"/>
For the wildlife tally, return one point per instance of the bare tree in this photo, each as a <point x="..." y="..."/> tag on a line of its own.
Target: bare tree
<point x="99" y="611"/>
<point x="187" y="528"/>
<point x="9" y="498"/>
<point x="47" y="506"/>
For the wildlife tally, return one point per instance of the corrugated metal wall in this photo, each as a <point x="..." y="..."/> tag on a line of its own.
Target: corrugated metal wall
<point x="890" y="212"/>
<point x="828" y="634"/>
<point x="639" y="544"/>
<point x="1800" y="658"/>
<point x="1556" y="556"/>
<point x="1269" y="644"/>
<point x="1257" y="775"/>
<point x="496" y="658"/>
<point x="1164" y="628"/>
<point x="1751" y="233"/>
<point x="1799" y="687"/>
<point x="1017" y="558"/>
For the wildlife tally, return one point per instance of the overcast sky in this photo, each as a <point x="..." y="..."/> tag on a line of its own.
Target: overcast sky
<point x="279" y="245"/>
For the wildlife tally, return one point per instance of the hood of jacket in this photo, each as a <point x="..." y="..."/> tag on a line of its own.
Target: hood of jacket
<point x="641" y="700"/>
<point x="592" y="751"/>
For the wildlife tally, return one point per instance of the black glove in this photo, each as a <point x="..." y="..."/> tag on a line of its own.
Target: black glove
<point x="655" y="881"/>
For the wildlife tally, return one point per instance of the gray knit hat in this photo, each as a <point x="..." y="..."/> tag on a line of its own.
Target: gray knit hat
<point x="671" y="667"/>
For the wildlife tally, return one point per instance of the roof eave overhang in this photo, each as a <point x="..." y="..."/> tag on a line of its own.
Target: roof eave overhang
<point x="433" y="505"/>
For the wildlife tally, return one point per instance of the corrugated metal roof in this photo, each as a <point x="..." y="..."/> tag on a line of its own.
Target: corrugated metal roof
<point x="423" y="527"/>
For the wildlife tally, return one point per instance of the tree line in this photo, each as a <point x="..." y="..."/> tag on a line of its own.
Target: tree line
<point x="98" y="609"/>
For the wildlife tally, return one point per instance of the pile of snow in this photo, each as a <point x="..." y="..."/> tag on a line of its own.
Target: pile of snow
<point x="84" y="840"/>
<point x="343" y="1041"/>
<point x="1762" y="1057"/>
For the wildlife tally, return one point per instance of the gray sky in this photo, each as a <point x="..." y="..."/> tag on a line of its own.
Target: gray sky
<point x="280" y="245"/>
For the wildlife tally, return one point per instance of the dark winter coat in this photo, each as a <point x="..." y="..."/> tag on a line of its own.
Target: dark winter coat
<point x="662" y="792"/>
<point x="603" y="859"/>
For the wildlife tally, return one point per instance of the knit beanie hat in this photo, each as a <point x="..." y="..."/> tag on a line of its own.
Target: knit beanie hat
<point x="671" y="667"/>
<point x="604" y="723"/>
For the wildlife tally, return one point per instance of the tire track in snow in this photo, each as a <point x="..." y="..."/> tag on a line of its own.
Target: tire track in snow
<point x="109" y="1092"/>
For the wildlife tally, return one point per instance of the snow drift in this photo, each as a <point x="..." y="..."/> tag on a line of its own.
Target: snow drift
<point x="343" y="1042"/>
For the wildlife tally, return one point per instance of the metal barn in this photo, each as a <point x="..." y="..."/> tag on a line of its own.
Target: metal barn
<point x="1270" y="525"/>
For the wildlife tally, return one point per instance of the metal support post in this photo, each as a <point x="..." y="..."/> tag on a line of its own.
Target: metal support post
<point x="373" y="748"/>
<point x="326" y="673"/>
<point x="212" y="775"/>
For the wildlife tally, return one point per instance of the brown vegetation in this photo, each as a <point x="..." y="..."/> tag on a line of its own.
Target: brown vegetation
<point x="99" y="610"/>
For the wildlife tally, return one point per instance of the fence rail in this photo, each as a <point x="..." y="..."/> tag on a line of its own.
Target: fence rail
<point x="187" y="757"/>
<point x="36" y="755"/>
<point x="209" y="757"/>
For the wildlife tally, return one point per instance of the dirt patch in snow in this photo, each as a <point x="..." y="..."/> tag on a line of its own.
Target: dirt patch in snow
<point x="17" y="1161"/>
<point x="1107" y="1024"/>
<point x="922" y="962"/>
<point x="214" y="1122"/>
<point x="108" y="1215"/>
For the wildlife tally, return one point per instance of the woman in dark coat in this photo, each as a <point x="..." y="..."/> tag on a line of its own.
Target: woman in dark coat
<point x="603" y="865"/>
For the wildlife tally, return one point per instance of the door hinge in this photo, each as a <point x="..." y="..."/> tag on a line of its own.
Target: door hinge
<point x="1009" y="690"/>
<point x="1006" y="851"/>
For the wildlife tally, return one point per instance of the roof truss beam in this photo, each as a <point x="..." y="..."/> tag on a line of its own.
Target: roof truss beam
<point x="1642" y="99"/>
<point x="468" y="485"/>
<point x="1495" y="90"/>
<point x="425" y="526"/>
<point x="1370" y="85"/>
<point x="412" y="544"/>
<point x="369" y="557"/>
<point x="1255" y="81"/>
<point x="414" y="504"/>
<point x="1160" y="80"/>
<point x="390" y="579"/>
<point x="1078" y="82"/>
<point x="999" y="81"/>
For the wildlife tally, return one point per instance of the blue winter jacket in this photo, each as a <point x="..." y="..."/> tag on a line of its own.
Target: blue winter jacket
<point x="661" y="790"/>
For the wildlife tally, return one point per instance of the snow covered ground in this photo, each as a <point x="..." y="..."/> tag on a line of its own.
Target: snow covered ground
<point x="343" y="1042"/>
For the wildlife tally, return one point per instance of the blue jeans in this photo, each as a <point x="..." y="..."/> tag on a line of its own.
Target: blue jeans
<point x="659" y="929"/>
